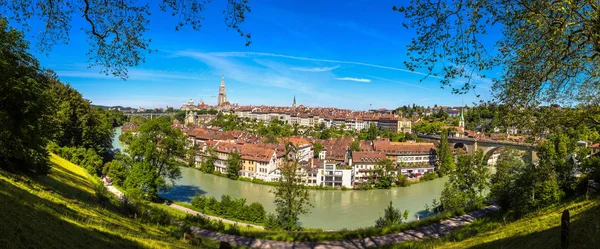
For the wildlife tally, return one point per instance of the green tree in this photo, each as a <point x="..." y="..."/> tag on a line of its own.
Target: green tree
<point x="208" y="164"/>
<point x="116" y="41"/>
<point x="291" y="198"/>
<point x="234" y="163"/>
<point x="355" y="146"/>
<point x="445" y="158"/>
<point x="25" y="105"/>
<point x="317" y="148"/>
<point x="117" y="170"/>
<point x="391" y="217"/>
<point x="545" y="48"/>
<point x="372" y="132"/>
<point x="154" y="153"/>
<point x="467" y="182"/>
<point x="508" y="169"/>
<point x="382" y="174"/>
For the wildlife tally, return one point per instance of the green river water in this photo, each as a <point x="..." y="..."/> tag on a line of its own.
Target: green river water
<point x="333" y="209"/>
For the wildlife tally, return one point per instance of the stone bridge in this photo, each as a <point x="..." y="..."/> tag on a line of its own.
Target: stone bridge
<point x="148" y="114"/>
<point x="488" y="146"/>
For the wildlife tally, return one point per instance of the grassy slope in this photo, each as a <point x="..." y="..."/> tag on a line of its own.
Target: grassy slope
<point x="61" y="211"/>
<point x="537" y="230"/>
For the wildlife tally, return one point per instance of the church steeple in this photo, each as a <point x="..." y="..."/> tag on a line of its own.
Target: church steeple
<point x="294" y="104"/>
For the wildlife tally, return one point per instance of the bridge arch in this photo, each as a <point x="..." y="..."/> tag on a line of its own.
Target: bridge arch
<point x="489" y="152"/>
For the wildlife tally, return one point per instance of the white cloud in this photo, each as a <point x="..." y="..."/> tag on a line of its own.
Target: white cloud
<point x="354" y="79"/>
<point x="258" y="54"/>
<point x="315" y="69"/>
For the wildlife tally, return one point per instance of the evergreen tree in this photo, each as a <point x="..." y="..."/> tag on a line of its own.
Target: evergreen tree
<point x="445" y="158"/>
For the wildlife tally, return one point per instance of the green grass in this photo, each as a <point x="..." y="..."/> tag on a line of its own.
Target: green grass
<point x="536" y="230"/>
<point x="62" y="210"/>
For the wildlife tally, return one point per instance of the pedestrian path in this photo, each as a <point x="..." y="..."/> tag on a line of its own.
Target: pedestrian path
<point x="190" y="211"/>
<point x="434" y="230"/>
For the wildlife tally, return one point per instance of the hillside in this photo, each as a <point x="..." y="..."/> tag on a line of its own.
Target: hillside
<point x="537" y="230"/>
<point x="61" y="210"/>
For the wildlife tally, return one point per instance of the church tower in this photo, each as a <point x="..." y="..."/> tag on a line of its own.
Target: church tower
<point x="222" y="94"/>
<point x="294" y="104"/>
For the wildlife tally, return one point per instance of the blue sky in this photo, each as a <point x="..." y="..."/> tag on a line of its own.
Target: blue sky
<point x="346" y="54"/>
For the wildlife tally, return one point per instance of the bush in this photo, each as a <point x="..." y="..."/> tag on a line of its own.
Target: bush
<point x="428" y="176"/>
<point x="230" y="208"/>
<point x="363" y="186"/>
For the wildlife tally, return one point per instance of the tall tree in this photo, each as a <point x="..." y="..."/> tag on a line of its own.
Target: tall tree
<point x="467" y="182"/>
<point x="291" y="198"/>
<point x="154" y="152"/>
<point x="116" y="30"/>
<point x="234" y="163"/>
<point x="445" y="158"/>
<point x="26" y="105"/>
<point x="502" y="184"/>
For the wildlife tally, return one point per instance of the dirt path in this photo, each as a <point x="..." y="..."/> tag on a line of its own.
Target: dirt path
<point x="434" y="230"/>
<point x="190" y="211"/>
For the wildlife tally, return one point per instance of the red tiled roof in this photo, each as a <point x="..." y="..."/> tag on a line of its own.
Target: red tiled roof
<point x="367" y="156"/>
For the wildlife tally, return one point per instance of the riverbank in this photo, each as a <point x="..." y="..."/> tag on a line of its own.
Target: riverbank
<point x="331" y="208"/>
<point x="409" y="182"/>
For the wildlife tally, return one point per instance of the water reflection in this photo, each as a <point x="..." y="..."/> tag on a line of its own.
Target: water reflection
<point x="332" y="209"/>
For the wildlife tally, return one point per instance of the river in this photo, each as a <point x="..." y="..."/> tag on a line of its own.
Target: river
<point x="333" y="209"/>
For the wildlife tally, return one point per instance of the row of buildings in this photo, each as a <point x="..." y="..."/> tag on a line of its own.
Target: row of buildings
<point x="300" y="115"/>
<point x="334" y="166"/>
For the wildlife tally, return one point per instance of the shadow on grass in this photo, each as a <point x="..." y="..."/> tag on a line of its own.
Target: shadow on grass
<point x="584" y="233"/>
<point x="29" y="221"/>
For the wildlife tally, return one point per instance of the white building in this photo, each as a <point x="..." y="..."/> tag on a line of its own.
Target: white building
<point x="335" y="175"/>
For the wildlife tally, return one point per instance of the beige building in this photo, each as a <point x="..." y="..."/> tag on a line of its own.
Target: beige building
<point x="404" y="126"/>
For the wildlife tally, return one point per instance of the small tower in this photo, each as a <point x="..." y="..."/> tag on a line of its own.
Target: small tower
<point x="294" y="103"/>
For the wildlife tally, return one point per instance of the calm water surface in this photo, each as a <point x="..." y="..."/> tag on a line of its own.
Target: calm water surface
<point x="333" y="209"/>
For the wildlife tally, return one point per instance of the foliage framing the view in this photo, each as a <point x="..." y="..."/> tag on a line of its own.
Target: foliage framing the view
<point x="548" y="50"/>
<point x="115" y="29"/>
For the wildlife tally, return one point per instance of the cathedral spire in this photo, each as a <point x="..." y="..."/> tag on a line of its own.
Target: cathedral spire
<point x="294" y="103"/>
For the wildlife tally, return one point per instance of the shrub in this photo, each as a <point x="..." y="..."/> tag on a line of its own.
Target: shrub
<point x="230" y="208"/>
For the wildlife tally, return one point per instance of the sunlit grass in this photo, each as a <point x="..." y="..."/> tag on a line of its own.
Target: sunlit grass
<point x="536" y="230"/>
<point x="61" y="210"/>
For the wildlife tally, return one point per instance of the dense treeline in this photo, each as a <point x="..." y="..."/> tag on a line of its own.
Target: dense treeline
<point x="230" y="208"/>
<point x="36" y="108"/>
<point x="26" y="106"/>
